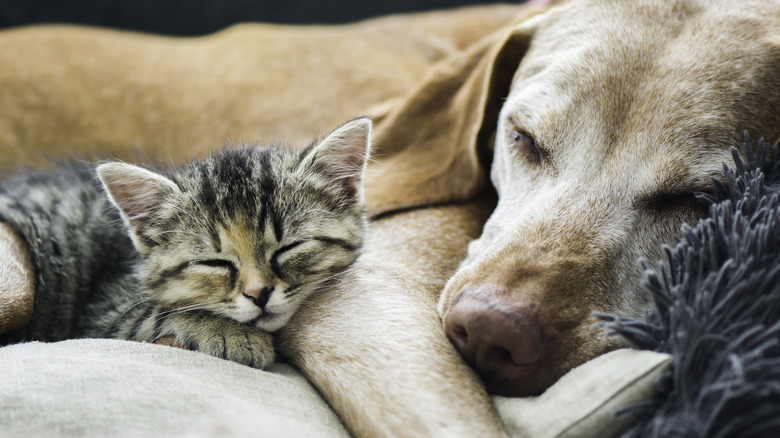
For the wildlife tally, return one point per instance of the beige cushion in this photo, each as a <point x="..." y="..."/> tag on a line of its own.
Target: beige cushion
<point x="583" y="403"/>
<point x="102" y="388"/>
<point x="108" y="388"/>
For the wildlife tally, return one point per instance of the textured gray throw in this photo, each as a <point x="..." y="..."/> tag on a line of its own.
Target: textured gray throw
<point x="717" y="312"/>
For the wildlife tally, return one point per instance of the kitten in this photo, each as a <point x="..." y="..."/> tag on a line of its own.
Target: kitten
<point x="208" y="254"/>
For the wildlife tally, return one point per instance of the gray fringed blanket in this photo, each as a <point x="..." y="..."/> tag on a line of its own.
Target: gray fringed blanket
<point x="717" y="312"/>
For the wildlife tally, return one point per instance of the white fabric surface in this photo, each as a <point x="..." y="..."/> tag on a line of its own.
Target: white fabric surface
<point x="108" y="388"/>
<point x="583" y="403"/>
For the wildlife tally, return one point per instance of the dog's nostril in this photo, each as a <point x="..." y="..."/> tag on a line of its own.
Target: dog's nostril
<point x="501" y="356"/>
<point x="460" y="333"/>
<point x="459" y="338"/>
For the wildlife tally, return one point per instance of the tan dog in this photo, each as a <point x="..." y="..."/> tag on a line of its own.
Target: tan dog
<point x="619" y="112"/>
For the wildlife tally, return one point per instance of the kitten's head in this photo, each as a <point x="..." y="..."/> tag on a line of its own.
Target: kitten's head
<point x="247" y="233"/>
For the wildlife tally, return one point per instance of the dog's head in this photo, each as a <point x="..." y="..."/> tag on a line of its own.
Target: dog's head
<point x="618" y="114"/>
<point x="599" y="121"/>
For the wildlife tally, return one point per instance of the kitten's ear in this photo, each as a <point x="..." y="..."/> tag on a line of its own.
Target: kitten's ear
<point x="343" y="153"/>
<point x="139" y="194"/>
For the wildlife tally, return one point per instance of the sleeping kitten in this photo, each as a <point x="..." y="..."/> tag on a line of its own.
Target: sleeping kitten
<point x="209" y="253"/>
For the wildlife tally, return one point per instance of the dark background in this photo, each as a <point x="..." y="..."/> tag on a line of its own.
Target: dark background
<point x="197" y="17"/>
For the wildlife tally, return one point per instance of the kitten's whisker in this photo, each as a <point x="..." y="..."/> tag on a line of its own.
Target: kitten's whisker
<point x="320" y="282"/>
<point x="312" y="284"/>
<point x="119" y="319"/>
<point x="177" y="232"/>
<point x="178" y="310"/>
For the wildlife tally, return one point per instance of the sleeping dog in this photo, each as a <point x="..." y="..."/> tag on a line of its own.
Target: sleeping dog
<point x="619" y="113"/>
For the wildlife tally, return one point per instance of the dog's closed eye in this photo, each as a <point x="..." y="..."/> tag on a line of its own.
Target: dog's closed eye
<point x="526" y="145"/>
<point x="676" y="200"/>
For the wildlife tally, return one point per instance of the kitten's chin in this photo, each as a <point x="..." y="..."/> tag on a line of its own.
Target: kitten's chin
<point x="270" y="322"/>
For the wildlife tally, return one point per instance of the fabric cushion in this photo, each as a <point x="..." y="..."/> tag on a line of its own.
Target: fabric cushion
<point x="108" y="388"/>
<point x="100" y="388"/>
<point x="583" y="403"/>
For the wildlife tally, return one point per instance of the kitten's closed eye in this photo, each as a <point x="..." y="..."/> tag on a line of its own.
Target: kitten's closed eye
<point x="217" y="263"/>
<point x="285" y="253"/>
<point x="227" y="266"/>
<point x="317" y="257"/>
<point x="298" y="253"/>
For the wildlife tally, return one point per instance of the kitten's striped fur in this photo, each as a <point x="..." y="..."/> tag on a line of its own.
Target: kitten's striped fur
<point x="208" y="253"/>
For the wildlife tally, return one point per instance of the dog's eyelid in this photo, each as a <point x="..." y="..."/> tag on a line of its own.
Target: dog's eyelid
<point x="693" y="188"/>
<point x="528" y="144"/>
<point x="674" y="198"/>
<point x="702" y="184"/>
<point x="518" y="135"/>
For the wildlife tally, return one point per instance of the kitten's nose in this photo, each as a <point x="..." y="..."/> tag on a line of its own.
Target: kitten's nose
<point x="259" y="295"/>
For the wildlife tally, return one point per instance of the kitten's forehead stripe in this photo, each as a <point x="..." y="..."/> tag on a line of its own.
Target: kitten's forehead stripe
<point x="277" y="223"/>
<point x="167" y="274"/>
<point x="240" y="237"/>
<point x="235" y="174"/>
<point x="262" y="218"/>
<point x="215" y="240"/>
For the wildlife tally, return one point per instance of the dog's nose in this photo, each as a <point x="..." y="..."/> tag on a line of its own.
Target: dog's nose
<point x="501" y="341"/>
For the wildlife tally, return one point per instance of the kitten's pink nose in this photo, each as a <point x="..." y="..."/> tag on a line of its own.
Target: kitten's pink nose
<point x="259" y="295"/>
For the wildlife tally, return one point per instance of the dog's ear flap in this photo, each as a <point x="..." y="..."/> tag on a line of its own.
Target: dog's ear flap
<point x="431" y="146"/>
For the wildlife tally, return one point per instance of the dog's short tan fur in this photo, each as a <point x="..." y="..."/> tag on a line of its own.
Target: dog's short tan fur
<point x="99" y="92"/>
<point x="355" y="358"/>
<point x="634" y="105"/>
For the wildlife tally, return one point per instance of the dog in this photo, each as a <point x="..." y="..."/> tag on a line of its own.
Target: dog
<point x="619" y="113"/>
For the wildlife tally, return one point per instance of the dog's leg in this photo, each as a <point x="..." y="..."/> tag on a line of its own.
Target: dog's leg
<point x="17" y="289"/>
<point x="374" y="346"/>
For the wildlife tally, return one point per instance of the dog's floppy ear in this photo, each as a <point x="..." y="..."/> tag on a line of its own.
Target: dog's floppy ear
<point x="430" y="146"/>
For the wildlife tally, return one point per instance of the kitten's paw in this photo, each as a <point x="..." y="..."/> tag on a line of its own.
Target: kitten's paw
<point x="239" y="343"/>
<point x="224" y="338"/>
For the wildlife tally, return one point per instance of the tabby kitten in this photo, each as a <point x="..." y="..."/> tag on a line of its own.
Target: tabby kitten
<point x="207" y="254"/>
